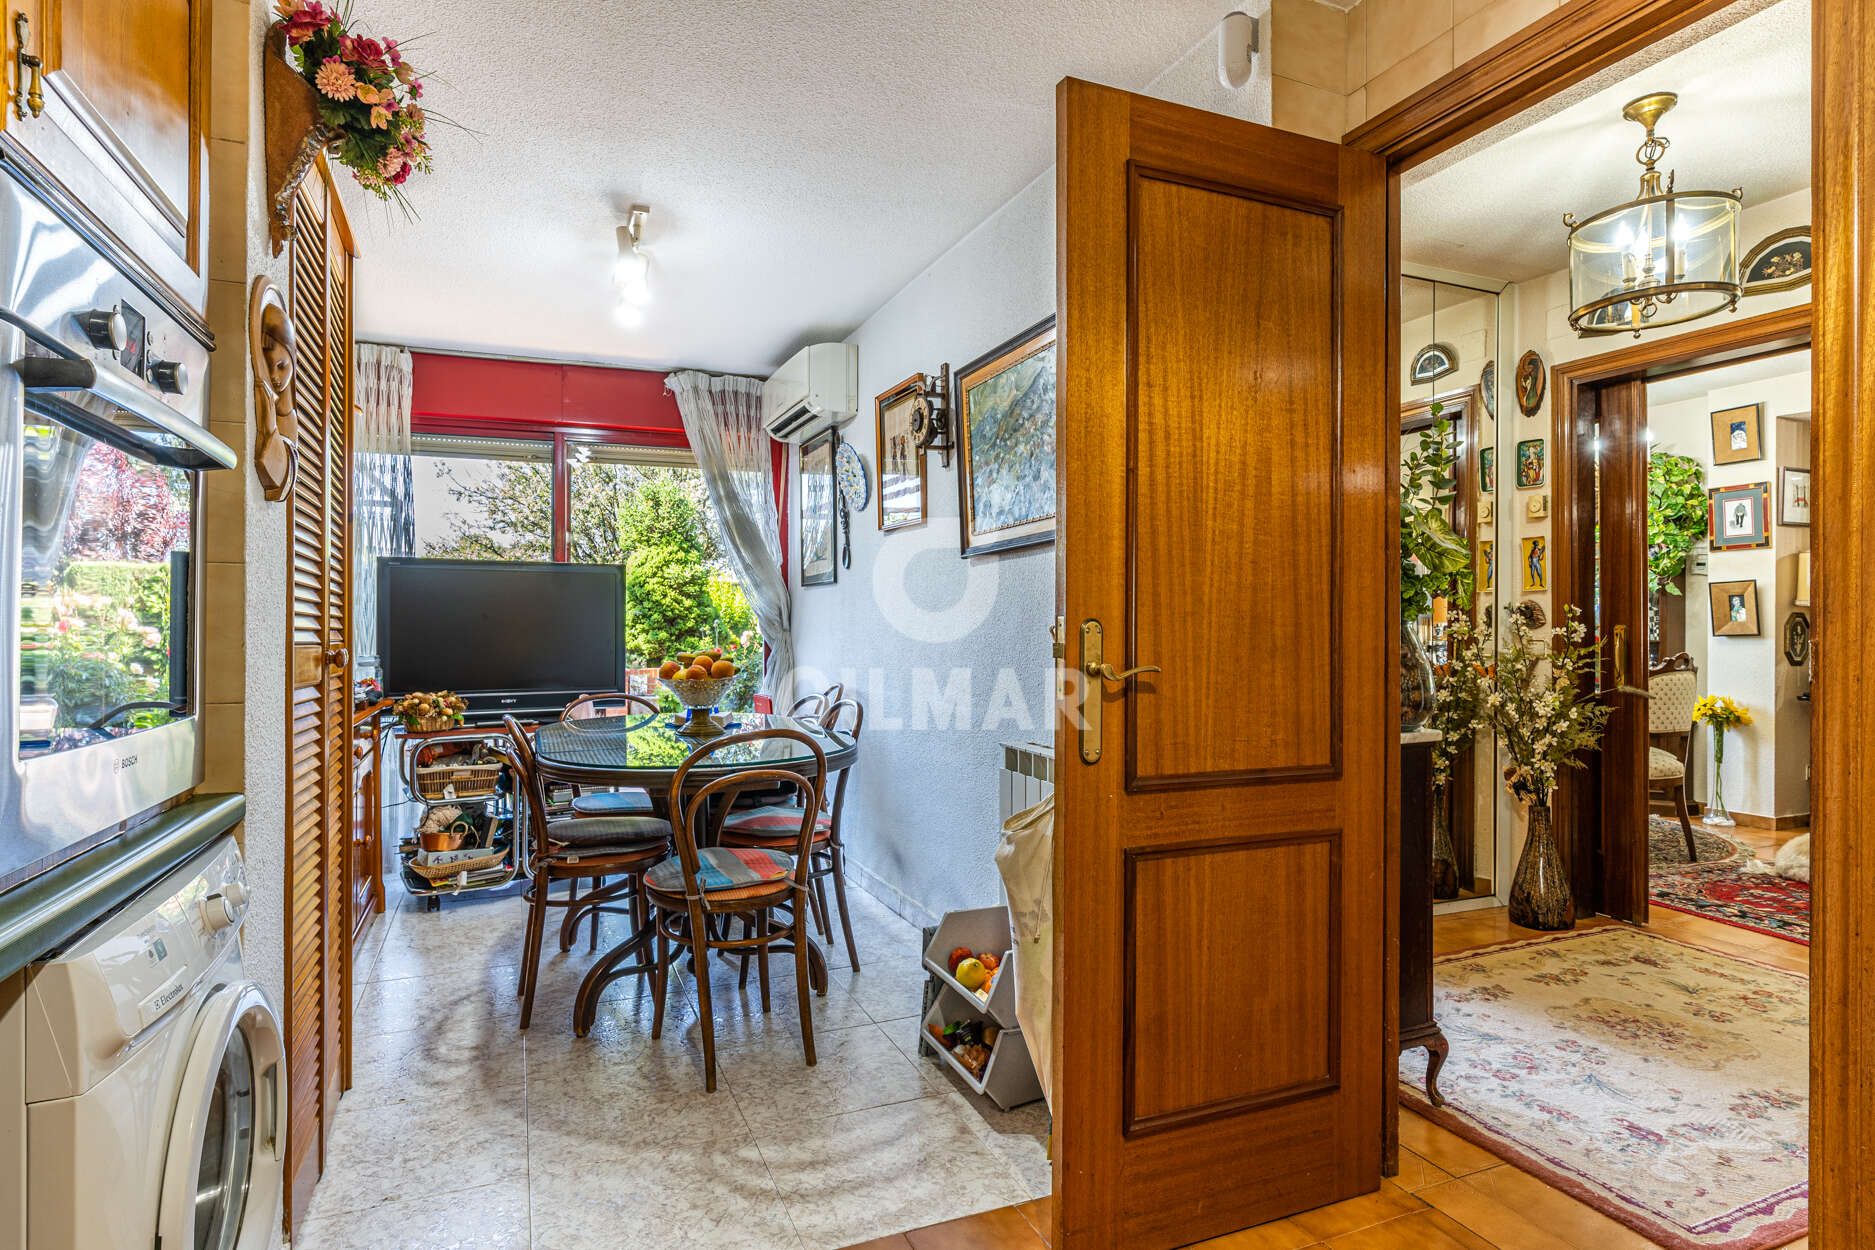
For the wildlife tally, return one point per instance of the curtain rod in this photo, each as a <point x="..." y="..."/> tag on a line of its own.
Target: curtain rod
<point x="524" y="360"/>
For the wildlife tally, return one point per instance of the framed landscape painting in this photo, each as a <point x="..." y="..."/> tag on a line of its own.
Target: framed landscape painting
<point x="1006" y="444"/>
<point x="901" y="490"/>
<point x="819" y="536"/>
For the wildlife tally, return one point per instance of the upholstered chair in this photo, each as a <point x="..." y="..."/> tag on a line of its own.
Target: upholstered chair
<point x="1672" y="692"/>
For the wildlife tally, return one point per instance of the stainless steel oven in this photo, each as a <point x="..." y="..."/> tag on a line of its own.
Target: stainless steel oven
<point x="103" y="447"/>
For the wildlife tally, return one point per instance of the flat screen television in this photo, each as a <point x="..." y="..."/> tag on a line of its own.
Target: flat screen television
<point x="506" y="636"/>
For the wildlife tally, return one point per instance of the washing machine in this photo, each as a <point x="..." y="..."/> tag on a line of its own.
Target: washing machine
<point x="155" y="1077"/>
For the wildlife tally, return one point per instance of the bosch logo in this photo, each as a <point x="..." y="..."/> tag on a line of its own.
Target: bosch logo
<point x="128" y="761"/>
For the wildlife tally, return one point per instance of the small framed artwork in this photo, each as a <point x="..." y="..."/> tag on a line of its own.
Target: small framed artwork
<point x="1796" y="640"/>
<point x="820" y="538"/>
<point x="901" y="489"/>
<point x="1487" y="470"/>
<point x="1779" y="263"/>
<point x="1006" y="444"/>
<point x="1433" y="362"/>
<point x="1736" y="434"/>
<point x="1487" y="562"/>
<point x="1531" y="382"/>
<point x="1738" y="516"/>
<point x="1793" y="496"/>
<point x="1734" y="609"/>
<point x="1535" y="564"/>
<point x="1529" y="463"/>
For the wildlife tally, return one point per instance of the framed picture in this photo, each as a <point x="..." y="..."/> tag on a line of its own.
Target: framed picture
<point x="1535" y="564"/>
<point x="1796" y="640"/>
<point x="1487" y="470"/>
<point x="820" y="537"/>
<point x="1736" y="434"/>
<point x="1793" y="496"/>
<point x="1738" y="516"/>
<point x="900" y="461"/>
<point x="1006" y="444"/>
<point x="1529" y="463"/>
<point x="1531" y="382"/>
<point x="1487" y="560"/>
<point x="1779" y="263"/>
<point x="1433" y="362"/>
<point x="1734" y="609"/>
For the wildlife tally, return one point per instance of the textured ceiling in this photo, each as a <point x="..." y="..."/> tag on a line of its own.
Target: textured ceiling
<point x="803" y="161"/>
<point x="1690" y="385"/>
<point x="1494" y="207"/>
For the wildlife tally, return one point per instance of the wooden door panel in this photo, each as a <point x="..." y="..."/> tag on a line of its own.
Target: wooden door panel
<point x="1224" y="472"/>
<point x="1617" y="879"/>
<point x="1233" y="382"/>
<point x="118" y="65"/>
<point x="1242" y="1041"/>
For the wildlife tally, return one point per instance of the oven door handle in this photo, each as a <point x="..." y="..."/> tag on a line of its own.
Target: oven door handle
<point x="57" y="373"/>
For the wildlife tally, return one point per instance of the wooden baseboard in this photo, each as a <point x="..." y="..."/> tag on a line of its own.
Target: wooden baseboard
<point x="1750" y="821"/>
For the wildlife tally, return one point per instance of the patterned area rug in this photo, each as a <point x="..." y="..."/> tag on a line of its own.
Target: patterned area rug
<point x="1718" y="888"/>
<point x="1662" y="1084"/>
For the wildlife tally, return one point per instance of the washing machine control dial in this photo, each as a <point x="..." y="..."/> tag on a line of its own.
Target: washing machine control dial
<point x="223" y="910"/>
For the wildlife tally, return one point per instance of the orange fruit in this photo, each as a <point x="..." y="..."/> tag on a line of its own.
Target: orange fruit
<point x="722" y="668"/>
<point x="669" y="669"/>
<point x="696" y="672"/>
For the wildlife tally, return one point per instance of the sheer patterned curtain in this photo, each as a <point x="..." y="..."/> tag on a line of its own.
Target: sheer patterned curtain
<point x="723" y="419"/>
<point x="383" y="500"/>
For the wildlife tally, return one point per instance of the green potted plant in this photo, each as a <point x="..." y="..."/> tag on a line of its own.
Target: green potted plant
<point x="1435" y="560"/>
<point x="1676" y="517"/>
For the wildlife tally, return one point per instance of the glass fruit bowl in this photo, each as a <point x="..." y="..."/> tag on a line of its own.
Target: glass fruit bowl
<point x="699" y="697"/>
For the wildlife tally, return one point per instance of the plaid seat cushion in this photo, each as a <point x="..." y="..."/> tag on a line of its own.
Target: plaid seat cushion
<point x="585" y="831"/>
<point x="777" y="818"/>
<point x="722" y="868"/>
<point x="613" y="803"/>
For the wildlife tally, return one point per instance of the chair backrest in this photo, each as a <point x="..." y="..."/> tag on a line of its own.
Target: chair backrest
<point x="834" y="693"/>
<point x="528" y="783"/>
<point x="1672" y="693"/>
<point x="720" y="795"/>
<point x="833" y="720"/>
<point x="616" y="703"/>
<point x="812" y="705"/>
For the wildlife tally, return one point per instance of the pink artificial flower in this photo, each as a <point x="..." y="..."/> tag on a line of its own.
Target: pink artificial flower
<point x="335" y="80"/>
<point x="390" y="51"/>
<point x="380" y="117"/>
<point x="398" y="179"/>
<point x="416" y="89"/>
<point x="393" y="161"/>
<point x="361" y="51"/>
<point x="302" y="19"/>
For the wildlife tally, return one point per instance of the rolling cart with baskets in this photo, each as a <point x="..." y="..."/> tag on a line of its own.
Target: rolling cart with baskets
<point x="475" y="846"/>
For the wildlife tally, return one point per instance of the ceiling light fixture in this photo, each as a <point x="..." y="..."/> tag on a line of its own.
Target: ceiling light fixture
<point x="1663" y="258"/>
<point x="634" y="263"/>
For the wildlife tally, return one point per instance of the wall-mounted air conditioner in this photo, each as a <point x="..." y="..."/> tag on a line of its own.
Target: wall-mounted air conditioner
<point x="817" y="388"/>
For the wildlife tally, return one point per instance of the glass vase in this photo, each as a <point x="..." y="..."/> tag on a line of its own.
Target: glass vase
<point x="1716" y="813"/>
<point x="1540" y="896"/>
<point x="1416" y="687"/>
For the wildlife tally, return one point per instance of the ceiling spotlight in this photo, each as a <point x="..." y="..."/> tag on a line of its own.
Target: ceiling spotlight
<point x="634" y="263"/>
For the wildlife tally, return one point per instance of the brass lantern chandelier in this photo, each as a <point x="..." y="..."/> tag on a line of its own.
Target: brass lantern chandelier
<point x="1663" y="258"/>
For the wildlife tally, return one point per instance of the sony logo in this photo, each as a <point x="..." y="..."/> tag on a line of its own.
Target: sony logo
<point x="128" y="761"/>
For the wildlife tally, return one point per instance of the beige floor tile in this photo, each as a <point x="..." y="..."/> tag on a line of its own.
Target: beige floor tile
<point x="1387" y="1203"/>
<point x="437" y="1146"/>
<point x="471" y="1055"/>
<point x="610" y="1100"/>
<point x="491" y="1217"/>
<point x="855" y="1069"/>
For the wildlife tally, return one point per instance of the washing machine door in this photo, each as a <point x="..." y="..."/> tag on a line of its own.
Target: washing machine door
<point x="227" y="1139"/>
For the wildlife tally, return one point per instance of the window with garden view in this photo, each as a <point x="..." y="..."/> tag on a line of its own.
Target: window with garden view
<point x="494" y="499"/>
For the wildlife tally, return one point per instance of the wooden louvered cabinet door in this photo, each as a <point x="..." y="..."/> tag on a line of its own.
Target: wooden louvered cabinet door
<point x="319" y="764"/>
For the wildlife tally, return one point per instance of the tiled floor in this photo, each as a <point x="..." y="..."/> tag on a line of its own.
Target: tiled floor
<point x="460" y="1131"/>
<point x="1449" y="1194"/>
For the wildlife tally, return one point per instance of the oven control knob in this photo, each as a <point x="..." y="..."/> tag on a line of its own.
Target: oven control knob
<point x="169" y="375"/>
<point x="106" y="328"/>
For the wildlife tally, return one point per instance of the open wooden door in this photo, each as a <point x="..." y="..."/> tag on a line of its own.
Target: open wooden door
<point x="319" y="759"/>
<point x="1226" y="455"/>
<point x="1619" y="880"/>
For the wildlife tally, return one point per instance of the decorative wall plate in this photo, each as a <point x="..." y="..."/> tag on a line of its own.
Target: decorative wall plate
<point x="1487" y="387"/>
<point x="850" y="470"/>
<point x="1779" y="263"/>
<point x="1433" y="362"/>
<point x="1532" y="380"/>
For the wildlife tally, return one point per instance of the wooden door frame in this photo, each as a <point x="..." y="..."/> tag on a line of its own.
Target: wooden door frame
<point x="1610" y="873"/>
<point x="1557" y="52"/>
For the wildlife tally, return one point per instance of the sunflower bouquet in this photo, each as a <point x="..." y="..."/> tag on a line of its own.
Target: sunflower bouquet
<point x="1720" y="713"/>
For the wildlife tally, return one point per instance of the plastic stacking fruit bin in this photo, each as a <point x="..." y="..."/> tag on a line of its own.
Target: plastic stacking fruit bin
<point x="981" y="929"/>
<point x="1009" y="1079"/>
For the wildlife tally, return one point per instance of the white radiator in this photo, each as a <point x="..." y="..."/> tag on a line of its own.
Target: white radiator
<point x="1027" y="776"/>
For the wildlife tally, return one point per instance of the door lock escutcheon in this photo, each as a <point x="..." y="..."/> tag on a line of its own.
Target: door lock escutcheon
<point x="1094" y="670"/>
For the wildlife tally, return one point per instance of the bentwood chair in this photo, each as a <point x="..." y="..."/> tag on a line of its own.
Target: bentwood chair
<point x="568" y="848"/>
<point x="697" y="892"/>
<point x="809" y="707"/>
<point x="627" y="802"/>
<point x="773" y="826"/>
<point x="1672" y="693"/>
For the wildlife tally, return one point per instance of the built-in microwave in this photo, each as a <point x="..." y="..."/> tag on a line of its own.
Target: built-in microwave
<point x="103" y="450"/>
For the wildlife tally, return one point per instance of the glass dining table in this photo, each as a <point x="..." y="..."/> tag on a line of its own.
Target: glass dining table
<point x="645" y="750"/>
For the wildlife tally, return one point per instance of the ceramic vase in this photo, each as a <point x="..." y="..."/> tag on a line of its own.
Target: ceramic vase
<point x="1540" y="897"/>
<point x="1416" y="688"/>
<point x="1444" y="855"/>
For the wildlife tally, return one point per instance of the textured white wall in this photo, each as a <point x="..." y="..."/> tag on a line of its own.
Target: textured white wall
<point x="921" y="809"/>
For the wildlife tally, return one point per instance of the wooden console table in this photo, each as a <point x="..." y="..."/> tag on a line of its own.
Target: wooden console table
<point x="1417" y="1026"/>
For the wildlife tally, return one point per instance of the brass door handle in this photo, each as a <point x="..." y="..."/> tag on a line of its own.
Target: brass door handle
<point x="30" y="98"/>
<point x="1106" y="673"/>
<point x="1620" y="643"/>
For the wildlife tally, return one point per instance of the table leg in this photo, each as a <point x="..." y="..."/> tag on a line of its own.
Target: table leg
<point x="606" y="971"/>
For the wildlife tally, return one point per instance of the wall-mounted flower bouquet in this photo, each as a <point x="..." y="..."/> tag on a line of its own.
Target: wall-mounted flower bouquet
<point x="366" y="96"/>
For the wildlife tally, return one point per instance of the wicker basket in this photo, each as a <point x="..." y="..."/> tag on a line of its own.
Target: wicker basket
<point x="437" y="782"/>
<point x="443" y="872"/>
<point x="432" y="724"/>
